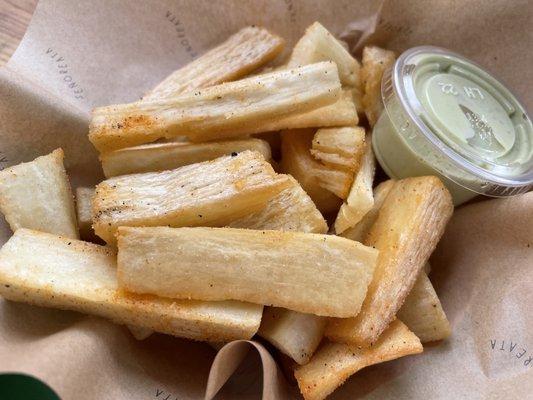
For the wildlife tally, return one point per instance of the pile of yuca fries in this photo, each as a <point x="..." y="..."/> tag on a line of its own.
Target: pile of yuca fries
<point x="213" y="211"/>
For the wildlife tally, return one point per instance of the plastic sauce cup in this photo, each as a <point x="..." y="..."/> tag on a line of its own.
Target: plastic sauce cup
<point x="446" y="116"/>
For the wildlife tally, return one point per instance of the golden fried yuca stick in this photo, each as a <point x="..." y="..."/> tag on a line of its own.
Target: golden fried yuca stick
<point x="296" y="160"/>
<point x="165" y="156"/>
<point x="422" y="312"/>
<point x="339" y="147"/>
<point x="334" y="363"/>
<point x="217" y="112"/>
<point x="285" y="269"/>
<point x="37" y="195"/>
<point x="291" y="210"/>
<point x="361" y="229"/>
<point x="409" y="225"/>
<point x="375" y="62"/>
<point x="52" y="271"/>
<point x="360" y="199"/>
<point x="293" y="333"/>
<point x="240" y="54"/>
<point x="318" y="44"/>
<point x="212" y="193"/>
<point x="84" y="199"/>
<point x="340" y="113"/>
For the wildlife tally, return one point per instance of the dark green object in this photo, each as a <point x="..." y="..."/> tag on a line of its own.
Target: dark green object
<point x="24" y="387"/>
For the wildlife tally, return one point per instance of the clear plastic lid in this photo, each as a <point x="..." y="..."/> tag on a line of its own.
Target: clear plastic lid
<point x="460" y="120"/>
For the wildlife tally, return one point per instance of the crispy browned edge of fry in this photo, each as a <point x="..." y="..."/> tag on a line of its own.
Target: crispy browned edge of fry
<point x="397" y="341"/>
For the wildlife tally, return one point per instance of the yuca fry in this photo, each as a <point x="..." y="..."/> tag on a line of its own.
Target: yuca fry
<point x="334" y="363"/>
<point x="84" y="199"/>
<point x="340" y="113"/>
<point x="165" y="156"/>
<point x="375" y="62"/>
<point x="361" y="229"/>
<point x="297" y="161"/>
<point x="284" y="269"/>
<point x="37" y="195"/>
<point x="339" y="147"/>
<point x="240" y="54"/>
<point x="360" y="199"/>
<point x="217" y="112"/>
<point x="291" y="210"/>
<point x="422" y="312"/>
<point x="318" y="44"/>
<point x="295" y="334"/>
<point x="212" y="193"/>
<point x="409" y="225"/>
<point x="48" y="270"/>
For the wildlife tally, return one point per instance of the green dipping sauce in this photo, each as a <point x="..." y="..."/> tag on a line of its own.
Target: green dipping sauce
<point x="446" y="116"/>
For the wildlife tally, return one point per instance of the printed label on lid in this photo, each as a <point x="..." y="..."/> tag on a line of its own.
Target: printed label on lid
<point x="465" y="113"/>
